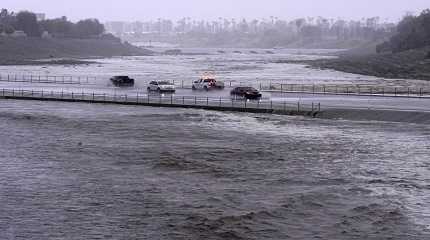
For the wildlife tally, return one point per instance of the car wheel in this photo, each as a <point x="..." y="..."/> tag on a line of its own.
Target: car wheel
<point x="149" y="89"/>
<point x="206" y="88"/>
<point x="194" y="88"/>
<point x="158" y="90"/>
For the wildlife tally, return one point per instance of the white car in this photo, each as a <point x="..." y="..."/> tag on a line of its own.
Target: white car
<point x="207" y="84"/>
<point x="161" y="86"/>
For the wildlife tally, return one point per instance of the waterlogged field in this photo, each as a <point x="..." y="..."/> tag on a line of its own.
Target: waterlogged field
<point x="79" y="171"/>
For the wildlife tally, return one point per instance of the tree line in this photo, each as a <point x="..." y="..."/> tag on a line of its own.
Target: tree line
<point x="261" y="32"/>
<point x="60" y="27"/>
<point x="412" y="32"/>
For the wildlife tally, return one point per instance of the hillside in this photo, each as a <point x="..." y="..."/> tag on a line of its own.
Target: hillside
<point x="24" y="50"/>
<point x="411" y="64"/>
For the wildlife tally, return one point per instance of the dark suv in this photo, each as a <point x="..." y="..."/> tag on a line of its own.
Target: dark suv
<point x="122" y="81"/>
<point x="246" y="92"/>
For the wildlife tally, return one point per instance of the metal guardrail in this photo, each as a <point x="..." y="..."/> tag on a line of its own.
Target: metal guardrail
<point x="46" y="79"/>
<point x="229" y="104"/>
<point x="357" y="90"/>
<point x="338" y="89"/>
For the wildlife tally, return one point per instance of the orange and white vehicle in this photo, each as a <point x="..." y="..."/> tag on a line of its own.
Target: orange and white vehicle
<point x="208" y="82"/>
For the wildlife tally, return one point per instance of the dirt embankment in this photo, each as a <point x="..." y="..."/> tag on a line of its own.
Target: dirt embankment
<point x="412" y="64"/>
<point x="16" y="51"/>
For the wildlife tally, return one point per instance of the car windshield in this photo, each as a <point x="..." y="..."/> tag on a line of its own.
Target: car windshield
<point x="164" y="83"/>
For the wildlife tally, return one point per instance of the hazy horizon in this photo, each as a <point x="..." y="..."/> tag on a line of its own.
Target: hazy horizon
<point x="135" y="10"/>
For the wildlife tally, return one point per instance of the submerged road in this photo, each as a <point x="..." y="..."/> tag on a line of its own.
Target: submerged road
<point x="327" y="101"/>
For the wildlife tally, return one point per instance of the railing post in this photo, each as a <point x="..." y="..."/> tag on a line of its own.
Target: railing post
<point x="171" y="99"/>
<point x="395" y="92"/>
<point x="285" y="106"/>
<point x="298" y="107"/>
<point x="312" y="106"/>
<point x="93" y="97"/>
<point x="319" y="107"/>
<point x="220" y="101"/>
<point x="137" y="98"/>
<point x="207" y="101"/>
<point x="421" y="92"/>
<point x="195" y="100"/>
<point x="126" y="98"/>
<point x="271" y="105"/>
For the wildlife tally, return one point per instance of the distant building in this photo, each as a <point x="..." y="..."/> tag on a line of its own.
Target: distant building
<point x="116" y="28"/>
<point x="40" y="16"/>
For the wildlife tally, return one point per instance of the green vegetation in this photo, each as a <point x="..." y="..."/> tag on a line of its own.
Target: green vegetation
<point x="412" y="32"/>
<point x="66" y="42"/>
<point x="61" y="27"/>
<point x="406" y="55"/>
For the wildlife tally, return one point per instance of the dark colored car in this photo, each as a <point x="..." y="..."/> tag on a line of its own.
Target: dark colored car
<point x="246" y="92"/>
<point x="122" y="81"/>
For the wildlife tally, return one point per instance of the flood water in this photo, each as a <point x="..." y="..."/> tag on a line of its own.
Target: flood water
<point x="80" y="171"/>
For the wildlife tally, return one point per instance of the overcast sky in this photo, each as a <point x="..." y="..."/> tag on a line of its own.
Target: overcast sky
<point x="131" y="10"/>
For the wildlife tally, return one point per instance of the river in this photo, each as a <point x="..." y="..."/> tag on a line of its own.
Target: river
<point x="81" y="171"/>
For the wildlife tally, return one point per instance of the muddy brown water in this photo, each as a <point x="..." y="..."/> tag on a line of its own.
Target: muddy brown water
<point x="79" y="171"/>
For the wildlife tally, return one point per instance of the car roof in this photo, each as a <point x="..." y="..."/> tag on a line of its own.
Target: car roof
<point x="244" y="88"/>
